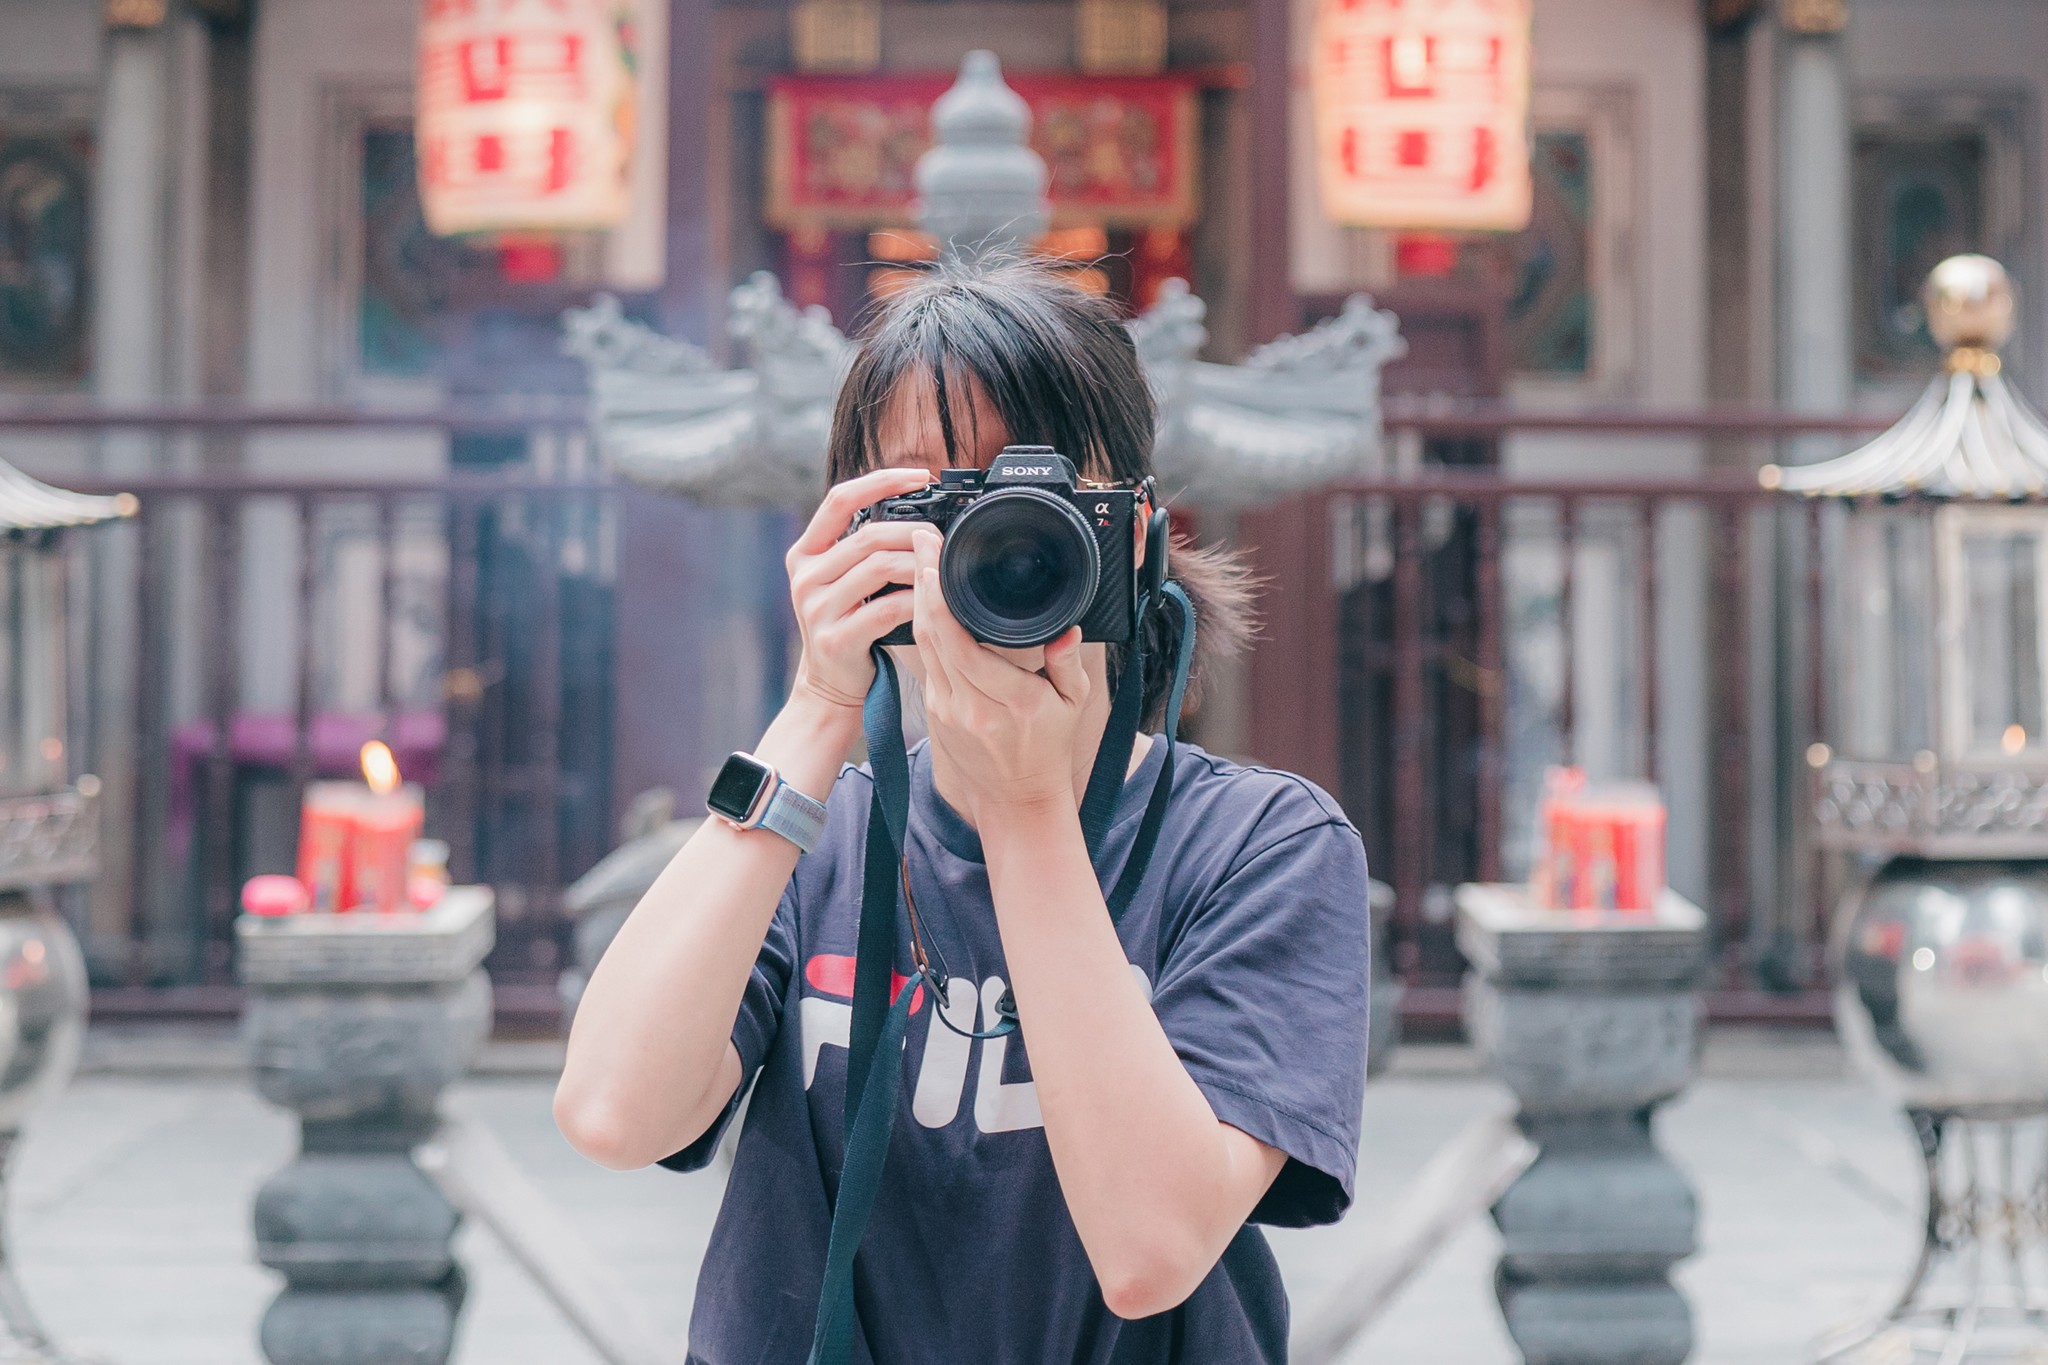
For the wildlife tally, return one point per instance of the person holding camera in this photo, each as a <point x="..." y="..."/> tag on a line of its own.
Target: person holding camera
<point x="1129" y="994"/>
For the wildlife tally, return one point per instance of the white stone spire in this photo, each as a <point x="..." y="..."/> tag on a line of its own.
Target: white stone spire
<point x="980" y="186"/>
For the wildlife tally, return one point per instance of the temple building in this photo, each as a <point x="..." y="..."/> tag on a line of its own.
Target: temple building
<point x="232" y="181"/>
<point x="1727" y="204"/>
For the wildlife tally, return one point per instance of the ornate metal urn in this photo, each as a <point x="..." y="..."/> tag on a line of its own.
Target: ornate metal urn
<point x="1936" y="644"/>
<point x="49" y="837"/>
<point x="1936" y="756"/>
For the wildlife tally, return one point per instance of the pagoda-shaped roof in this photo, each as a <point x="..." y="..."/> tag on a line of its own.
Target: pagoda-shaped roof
<point x="1300" y="411"/>
<point x="1971" y="434"/>
<point x="29" y="504"/>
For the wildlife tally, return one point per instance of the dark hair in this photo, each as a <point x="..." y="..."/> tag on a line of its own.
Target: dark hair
<point x="1059" y="366"/>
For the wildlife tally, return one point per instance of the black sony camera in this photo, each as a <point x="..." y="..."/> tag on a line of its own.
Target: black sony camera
<point x="1031" y="550"/>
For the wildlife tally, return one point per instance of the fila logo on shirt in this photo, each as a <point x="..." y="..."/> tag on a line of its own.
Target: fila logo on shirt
<point x="999" y="1106"/>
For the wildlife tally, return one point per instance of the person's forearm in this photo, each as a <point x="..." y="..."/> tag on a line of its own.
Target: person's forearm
<point x="1156" y="1185"/>
<point x="643" y="1074"/>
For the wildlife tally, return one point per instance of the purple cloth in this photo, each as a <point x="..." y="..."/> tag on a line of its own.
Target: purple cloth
<point x="265" y="739"/>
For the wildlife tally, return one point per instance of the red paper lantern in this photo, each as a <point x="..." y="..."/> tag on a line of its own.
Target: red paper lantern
<point x="1422" y="112"/>
<point x="525" y="114"/>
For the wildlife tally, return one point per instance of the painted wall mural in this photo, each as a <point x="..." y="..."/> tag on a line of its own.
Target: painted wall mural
<point x="45" y="254"/>
<point x="410" y="277"/>
<point x="1936" y="172"/>
<point x="1550" y="301"/>
<point x="1919" y="200"/>
<point x="1121" y="151"/>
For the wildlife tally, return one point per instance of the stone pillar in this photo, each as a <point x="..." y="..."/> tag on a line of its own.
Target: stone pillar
<point x="1816" y="373"/>
<point x="1816" y="365"/>
<point x="358" y="1022"/>
<point x="130" y="223"/>
<point x="1592" y="1021"/>
<point x="131" y="251"/>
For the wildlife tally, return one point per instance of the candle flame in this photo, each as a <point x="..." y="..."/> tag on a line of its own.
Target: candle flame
<point x="380" y="769"/>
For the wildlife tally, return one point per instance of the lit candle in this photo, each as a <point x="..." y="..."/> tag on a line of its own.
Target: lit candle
<point x="1602" y="847"/>
<point x="327" y="823"/>
<point x="354" y="837"/>
<point x="391" y="815"/>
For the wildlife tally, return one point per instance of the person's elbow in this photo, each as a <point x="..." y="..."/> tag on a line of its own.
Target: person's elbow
<point x="1145" y="1280"/>
<point x="603" y="1130"/>
<point x="1152" y="1258"/>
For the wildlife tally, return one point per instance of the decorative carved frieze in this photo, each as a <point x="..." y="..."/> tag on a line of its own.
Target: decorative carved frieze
<point x="50" y="839"/>
<point x="1944" y="811"/>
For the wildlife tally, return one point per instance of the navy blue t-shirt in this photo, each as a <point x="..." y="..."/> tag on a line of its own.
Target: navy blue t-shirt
<point x="1249" y="934"/>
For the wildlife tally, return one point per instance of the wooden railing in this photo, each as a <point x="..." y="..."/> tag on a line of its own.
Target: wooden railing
<point x="1433" y="641"/>
<point x="1430" y="642"/>
<point x="245" y="633"/>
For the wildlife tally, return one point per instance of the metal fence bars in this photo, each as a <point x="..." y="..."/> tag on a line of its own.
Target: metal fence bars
<point x="253" y="629"/>
<point x="1432" y="642"/>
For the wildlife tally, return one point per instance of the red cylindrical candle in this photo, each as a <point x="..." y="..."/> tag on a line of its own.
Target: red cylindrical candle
<point x="327" y="823"/>
<point x="385" y="827"/>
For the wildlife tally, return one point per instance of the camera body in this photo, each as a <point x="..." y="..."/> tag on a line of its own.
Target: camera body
<point x="1031" y="550"/>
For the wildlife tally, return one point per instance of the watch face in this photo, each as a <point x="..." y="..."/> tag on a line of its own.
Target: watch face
<point x="737" y="787"/>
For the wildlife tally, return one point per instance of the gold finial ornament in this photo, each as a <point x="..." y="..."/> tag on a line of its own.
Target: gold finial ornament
<point x="1974" y="360"/>
<point x="1970" y="304"/>
<point x="1970" y="435"/>
<point x="1815" y="16"/>
<point x="135" y="13"/>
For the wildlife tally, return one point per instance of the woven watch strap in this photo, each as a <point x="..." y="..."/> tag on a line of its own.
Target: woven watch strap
<point x="795" y="817"/>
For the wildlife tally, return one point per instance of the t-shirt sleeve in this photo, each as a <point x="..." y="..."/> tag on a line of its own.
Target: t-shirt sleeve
<point x="753" y="1029"/>
<point x="1264" y="999"/>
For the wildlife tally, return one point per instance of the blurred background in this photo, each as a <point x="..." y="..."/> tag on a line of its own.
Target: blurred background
<point x="414" y="356"/>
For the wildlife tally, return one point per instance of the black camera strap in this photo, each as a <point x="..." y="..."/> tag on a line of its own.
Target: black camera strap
<point x="879" y="1023"/>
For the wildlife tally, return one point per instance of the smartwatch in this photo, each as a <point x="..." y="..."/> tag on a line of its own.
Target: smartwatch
<point x="750" y="794"/>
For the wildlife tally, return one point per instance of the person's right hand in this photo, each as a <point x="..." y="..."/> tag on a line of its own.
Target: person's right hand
<point x="831" y="580"/>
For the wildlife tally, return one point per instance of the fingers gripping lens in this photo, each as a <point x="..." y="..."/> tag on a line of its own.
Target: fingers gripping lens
<point x="1019" y="568"/>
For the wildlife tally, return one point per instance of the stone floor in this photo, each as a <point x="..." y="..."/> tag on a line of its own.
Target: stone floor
<point x="131" y="1209"/>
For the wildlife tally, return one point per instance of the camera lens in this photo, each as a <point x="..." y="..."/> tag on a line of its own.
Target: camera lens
<point x="1019" y="567"/>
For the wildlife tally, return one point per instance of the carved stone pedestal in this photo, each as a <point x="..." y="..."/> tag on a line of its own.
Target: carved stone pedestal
<point x="358" y="1022"/>
<point x="1592" y="1020"/>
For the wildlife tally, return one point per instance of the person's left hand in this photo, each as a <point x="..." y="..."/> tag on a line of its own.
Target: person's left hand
<point x="1007" y="733"/>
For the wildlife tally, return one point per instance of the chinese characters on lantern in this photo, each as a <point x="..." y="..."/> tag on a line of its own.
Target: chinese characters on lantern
<point x="525" y="117"/>
<point x="1421" y="112"/>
